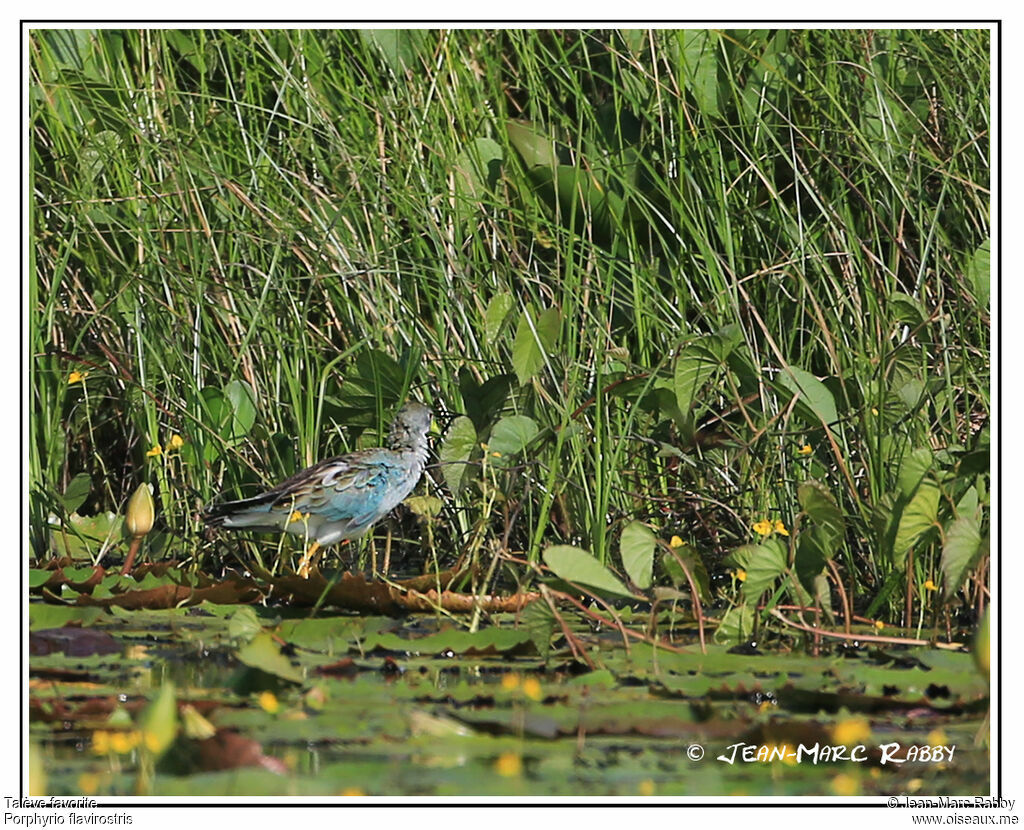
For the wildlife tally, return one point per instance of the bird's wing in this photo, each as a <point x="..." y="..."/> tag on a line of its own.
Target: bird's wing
<point x="349" y="487"/>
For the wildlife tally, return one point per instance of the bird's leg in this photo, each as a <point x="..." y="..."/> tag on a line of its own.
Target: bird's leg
<point x="307" y="560"/>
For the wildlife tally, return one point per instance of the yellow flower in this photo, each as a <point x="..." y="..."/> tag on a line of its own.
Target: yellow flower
<point x="762" y="528"/>
<point x="352" y="791"/>
<point x="879" y="625"/>
<point x="531" y="688"/>
<point x="509" y="765"/>
<point x="124" y="742"/>
<point x="845" y="784"/>
<point x="268" y="702"/>
<point x="101" y="742"/>
<point x="77" y="377"/>
<point x="780" y="528"/>
<point x="874" y="411"/>
<point x="741" y="574"/>
<point x="930" y="586"/>
<point x="851" y="731"/>
<point x="806" y="449"/>
<point x="88" y="783"/>
<point x="176" y="442"/>
<point x="298" y="516"/>
<point x="676" y="542"/>
<point x="645" y="787"/>
<point x="153" y="453"/>
<point x="510" y="681"/>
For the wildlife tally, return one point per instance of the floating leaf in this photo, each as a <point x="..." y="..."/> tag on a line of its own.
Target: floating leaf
<point x="262" y="652"/>
<point x="636" y="547"/>
<point x="244" y="624"/>
<point x="455" y="452"/>
<point x="576" y="565"/>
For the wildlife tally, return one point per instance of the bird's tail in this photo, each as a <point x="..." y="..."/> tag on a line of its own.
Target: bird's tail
<point x="242" y="513"/>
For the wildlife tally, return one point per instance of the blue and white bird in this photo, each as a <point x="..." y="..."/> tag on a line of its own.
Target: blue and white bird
<point x="339" y="498"/>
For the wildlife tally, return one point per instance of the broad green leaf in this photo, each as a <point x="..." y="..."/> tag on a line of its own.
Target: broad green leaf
<point x="98" y="151"/>
<point x="959" y="550"/>
<point x="535" y="148"/>
<point x="511" y="435"/>
<point x="913" y="469"/>
<point x="694" y="367"/>
<point x="456" y="449"/>
<point x="380" y="377"/>
<point x="159" y="721"/>
<point x="497" y="310"/>
<point x="812" y="551"/>
<point x="813" y="393"/>
<point x="905" y="309"/>
<point x="243" y="410"/>
<point x="822" y="594"/>
<point x="401" y="48"/>
<point x="688" y="556"/>
<point x="737" y="624"/>
<point x="479" y="165"/>
<point x="582" y="199"/>
<point x="539" y="622"/>
<point x="426" y="506"/>
<point x="636" y="547"/>
<point x="576" y="565"/>
<point x="535" y="337"/>
<point x="968" y="504"/>
<point x="821" y="508"/>
<point x="766" y="563"/>
<point x="262" y="652"/>
<point x="979" y="272"/>
<point x="77" y="492"/>
<point x="918" y="518"/>
<point x="700" y="61"/>
<point x="724" y="341"/>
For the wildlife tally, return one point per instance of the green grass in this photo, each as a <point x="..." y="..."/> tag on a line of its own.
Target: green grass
<point x="262" y="241"/>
